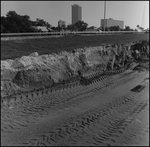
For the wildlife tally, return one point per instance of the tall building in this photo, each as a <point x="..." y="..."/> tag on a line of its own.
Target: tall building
<point x="76" y="13"/>
<point x="61" y="23"/>
<point x="111" y="22"/>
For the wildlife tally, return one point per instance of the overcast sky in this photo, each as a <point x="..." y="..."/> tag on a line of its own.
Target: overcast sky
<point x="131" y="12"/>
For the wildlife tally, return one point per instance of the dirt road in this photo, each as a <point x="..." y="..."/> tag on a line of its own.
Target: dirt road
<point x="109" y="110"/>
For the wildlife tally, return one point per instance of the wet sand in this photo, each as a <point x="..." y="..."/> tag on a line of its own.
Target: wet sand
<point x="110" y="110"/>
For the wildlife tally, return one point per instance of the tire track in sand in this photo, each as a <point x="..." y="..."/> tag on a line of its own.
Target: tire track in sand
<point x="111" y="124"/>
<point x="33" y="109"/>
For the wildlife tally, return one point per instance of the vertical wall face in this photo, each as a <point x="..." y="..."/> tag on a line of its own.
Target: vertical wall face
<point x="115" y="23"/>
<point x="76" y="13"/>
<point x="111" y="22"/>
<point x="102" y="23"/>
<point x="79" y="13"/>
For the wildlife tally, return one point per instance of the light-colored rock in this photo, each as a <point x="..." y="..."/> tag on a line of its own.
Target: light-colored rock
<point x="6" y="64"/>
<point x="21" y="62"/>
<point x="34" y="54"/>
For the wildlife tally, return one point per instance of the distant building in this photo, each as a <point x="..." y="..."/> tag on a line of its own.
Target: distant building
<point x="61" y="23"/>
<point x="76" y="13"/>
<point x="92" y="28"/>
<point x="42" y="28"/>
<point x="111" y="22"/>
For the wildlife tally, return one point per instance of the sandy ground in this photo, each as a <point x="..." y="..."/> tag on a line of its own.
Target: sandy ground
<point x="109" y="110"/>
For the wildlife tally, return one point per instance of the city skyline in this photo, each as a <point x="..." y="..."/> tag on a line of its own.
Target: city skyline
<point x="131" y="12"/>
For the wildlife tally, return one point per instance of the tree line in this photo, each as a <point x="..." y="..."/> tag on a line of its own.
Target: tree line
<point x="15" y="23"/>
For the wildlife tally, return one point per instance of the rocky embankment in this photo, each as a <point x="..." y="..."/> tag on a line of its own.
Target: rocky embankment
<point x="35" y="71"/>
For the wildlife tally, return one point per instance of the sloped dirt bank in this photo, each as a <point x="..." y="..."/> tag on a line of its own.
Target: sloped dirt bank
<point x="33" y="72"/>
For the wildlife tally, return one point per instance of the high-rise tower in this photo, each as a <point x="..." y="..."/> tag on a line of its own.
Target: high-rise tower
<point x="76" y="13"/>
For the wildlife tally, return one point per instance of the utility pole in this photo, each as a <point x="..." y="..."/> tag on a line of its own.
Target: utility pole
<point x="104" y="14"/>
<point x="142" y="24"/>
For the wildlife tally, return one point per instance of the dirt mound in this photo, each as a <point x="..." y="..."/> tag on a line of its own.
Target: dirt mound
<point x="32" y="78"/>
<point x="34" y="71"/>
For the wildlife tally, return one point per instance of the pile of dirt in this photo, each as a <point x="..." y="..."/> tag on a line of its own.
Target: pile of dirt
<point x="35" y="71"/>
<point x="32" y="78"/>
